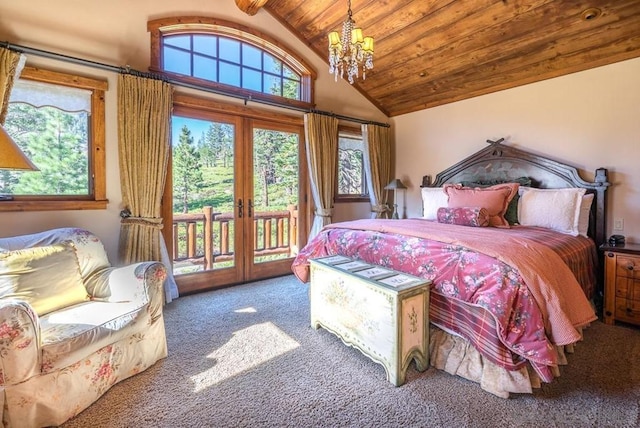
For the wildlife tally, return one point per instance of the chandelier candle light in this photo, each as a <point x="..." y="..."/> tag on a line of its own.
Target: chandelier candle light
<point x="350" y="51"/>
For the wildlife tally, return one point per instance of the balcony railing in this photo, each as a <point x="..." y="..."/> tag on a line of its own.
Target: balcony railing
<point x="205" y="239"/>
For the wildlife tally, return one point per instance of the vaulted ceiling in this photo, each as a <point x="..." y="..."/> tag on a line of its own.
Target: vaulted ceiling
<point x="434" y="52"/>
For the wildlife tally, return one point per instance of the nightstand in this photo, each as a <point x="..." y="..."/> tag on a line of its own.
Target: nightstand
<point x="622" y="283"/>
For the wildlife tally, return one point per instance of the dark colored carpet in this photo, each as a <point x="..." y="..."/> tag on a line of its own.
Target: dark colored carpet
<point x="247" y="357"/>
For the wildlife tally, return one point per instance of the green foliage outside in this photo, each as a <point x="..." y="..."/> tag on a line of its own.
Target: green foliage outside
<point x="187" y="170"/>
<point x="275" y="169"/>
<point x="203" y="175"/>
<point x="57" y="143"/>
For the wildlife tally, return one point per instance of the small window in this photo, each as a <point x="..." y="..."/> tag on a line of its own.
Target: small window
<point x="229" y="57"/>
<point x="58" y="121"/>
<point x="352" y="186"/>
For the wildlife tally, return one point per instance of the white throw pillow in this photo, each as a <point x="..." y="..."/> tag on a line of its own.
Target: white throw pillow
<point x="557" y="209"/>
<point x="585" y="210"/>
<point x="432" y="199"/>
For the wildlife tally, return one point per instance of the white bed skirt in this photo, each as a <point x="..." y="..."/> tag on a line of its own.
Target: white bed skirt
<point x="455" y="355"/>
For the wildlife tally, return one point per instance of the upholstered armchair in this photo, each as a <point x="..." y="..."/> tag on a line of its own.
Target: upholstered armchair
<point x="71" y="325"/>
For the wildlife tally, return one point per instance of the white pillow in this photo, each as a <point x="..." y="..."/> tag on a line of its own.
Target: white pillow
<point x="557" y="209"/>
<point x="432" y="199"/>
<point x="585" y="210"/>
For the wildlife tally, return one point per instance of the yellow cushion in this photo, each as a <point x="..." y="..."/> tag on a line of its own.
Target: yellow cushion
<point x="48" y="278"/>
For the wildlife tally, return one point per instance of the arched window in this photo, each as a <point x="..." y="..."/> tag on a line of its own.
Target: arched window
<point x="230" y="58"/>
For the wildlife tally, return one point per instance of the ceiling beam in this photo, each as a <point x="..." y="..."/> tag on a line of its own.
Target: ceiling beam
<point x="250" y="7"/>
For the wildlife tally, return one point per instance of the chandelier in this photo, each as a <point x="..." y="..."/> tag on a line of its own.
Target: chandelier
<point x="351" y="51"/>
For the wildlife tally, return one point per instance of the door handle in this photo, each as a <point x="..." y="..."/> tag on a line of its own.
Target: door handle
<point x="240" y="207"/>
<point x="250" y="206"/>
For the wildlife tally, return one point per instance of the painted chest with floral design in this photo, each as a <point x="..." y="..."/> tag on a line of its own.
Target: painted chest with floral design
<point x="381" y="312"/>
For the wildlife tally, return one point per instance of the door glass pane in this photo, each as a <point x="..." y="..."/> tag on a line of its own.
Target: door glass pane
<point x="203" y="195"/>
<point x="275" y="192"/>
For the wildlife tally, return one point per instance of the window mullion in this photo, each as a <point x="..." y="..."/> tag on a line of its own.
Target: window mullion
<point x="244" y="70"/>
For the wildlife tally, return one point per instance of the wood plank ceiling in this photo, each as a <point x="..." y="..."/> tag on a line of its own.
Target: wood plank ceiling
<point x="434" y="52"/>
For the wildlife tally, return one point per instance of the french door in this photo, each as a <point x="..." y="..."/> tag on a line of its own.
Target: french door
<point x="237" y="187"/>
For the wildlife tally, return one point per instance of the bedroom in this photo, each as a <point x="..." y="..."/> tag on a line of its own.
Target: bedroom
<point x="588" y="119"/>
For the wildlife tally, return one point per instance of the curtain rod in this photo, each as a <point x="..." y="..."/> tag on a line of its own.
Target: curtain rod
<point x="129" y="70"/>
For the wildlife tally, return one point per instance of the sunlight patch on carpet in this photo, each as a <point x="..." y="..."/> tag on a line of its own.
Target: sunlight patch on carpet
<point x="248" y="310"/>
<point x="245" y="349"/>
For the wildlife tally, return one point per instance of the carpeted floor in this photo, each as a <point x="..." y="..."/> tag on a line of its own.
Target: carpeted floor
<point x="247" y="357"/>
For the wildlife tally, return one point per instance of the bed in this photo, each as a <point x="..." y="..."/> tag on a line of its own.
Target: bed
<point x="508" y="301"/>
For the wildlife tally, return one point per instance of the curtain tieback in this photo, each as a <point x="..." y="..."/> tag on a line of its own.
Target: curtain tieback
<point x="379" y="208"/>
<point x="155" y="222"/>
<point x="325" y="212"/>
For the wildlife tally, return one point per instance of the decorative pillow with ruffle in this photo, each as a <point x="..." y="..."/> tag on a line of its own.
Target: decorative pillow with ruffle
<point x="494" y="199"/>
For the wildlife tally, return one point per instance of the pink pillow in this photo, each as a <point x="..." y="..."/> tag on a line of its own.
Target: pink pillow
<point x="466" y="216"/>
<point x="494" y="199"/>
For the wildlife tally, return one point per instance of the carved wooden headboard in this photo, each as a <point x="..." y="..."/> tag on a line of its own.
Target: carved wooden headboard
<point x="501" y="162"/>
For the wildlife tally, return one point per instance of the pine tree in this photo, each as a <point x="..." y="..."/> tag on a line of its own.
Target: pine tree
<point x="275" y="165"/>
<point x="187" y="169"/>
<point x="57" y="143"/>
<point x="207" y="156"/>
<point x="350" y="171"/>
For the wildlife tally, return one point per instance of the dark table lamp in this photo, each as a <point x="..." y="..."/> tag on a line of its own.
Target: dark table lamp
<point x="395" y="185"/>
<point x="11" y="157"/>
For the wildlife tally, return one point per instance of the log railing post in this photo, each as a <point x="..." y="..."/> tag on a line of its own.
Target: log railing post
<point x="293" y="229"/>
<point x="192" y="228"/>
<point x="224" y="237"/>
<point x="255" y="234"/>
<point x="208" y="237"/>
<point x="176" y="234"/>
<point x="267" y="232"/>
<point x="280" y="230"/>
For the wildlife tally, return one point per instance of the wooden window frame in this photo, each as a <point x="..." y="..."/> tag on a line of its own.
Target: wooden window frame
<point x="96" y="199"/>
<point x="203" y="25"/>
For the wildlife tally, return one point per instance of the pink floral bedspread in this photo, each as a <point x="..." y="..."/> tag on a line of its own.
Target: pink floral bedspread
<point x="475" y="294"/>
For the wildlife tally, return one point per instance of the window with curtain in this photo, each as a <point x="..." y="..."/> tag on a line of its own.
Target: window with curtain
<point x="226" y="56"/>
<point x="352" y="185"/>
<point x="57" y="119"/>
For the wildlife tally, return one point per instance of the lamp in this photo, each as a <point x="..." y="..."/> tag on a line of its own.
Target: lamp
<point x="350" y="51"/>
<point x="395" y="185"/>
<point x="11" y="157"/>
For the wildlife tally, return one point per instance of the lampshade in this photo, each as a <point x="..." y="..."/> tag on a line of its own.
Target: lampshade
<point x="395" y="184"/>
<point x="11" y="157"/>
<point x="367" y="45"/>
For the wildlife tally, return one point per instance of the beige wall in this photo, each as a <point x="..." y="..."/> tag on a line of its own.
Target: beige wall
<point x="589" y="119"/>
<point x="115" y="32"/>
